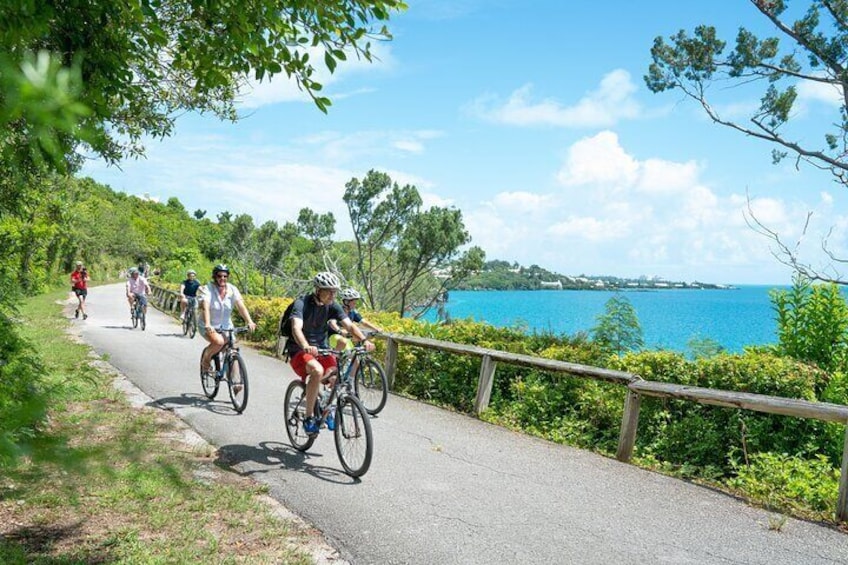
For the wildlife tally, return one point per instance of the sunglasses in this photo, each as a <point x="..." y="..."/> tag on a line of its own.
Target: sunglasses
<point x="222" y="276"/>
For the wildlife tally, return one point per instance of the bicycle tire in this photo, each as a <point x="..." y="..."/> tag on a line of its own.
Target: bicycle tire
<point x="134" y="317"/>
<point x="354" y="440"/>
<point x="237" y="376"/>
<point x="143" y="317"/>
<point x="208" y="380"/>
<point x="371" y="385"/>
<point x="185" y="322"/>
<point x="294" y="413"/>
<point x="192" y="327"/>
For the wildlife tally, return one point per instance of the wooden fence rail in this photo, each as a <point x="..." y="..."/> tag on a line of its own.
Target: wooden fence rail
<point x="636" y="388"/>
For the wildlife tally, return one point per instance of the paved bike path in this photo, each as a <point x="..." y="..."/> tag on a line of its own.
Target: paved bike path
<point x="446" y="488"/>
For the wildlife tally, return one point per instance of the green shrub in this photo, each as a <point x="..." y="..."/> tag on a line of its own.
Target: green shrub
<point x="788" y="483"/>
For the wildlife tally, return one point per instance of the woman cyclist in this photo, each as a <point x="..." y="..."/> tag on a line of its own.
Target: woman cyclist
<point x="218" y="298"/>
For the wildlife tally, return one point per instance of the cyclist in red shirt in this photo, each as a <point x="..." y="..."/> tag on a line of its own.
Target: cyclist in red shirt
<point x="79" y="286"/>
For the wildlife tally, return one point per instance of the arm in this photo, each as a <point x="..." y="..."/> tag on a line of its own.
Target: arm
<point x="357" y="333"/>
<point x="299" y="337"/>
<point x="245" y="315"/>
<point x="370" y="325"/>
<point x="182" y="290"/>
<point x="207" y="317"/>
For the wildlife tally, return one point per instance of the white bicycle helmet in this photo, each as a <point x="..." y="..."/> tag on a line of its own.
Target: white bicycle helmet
<point x="350" y="294"/>
<point x="327" y="280"/>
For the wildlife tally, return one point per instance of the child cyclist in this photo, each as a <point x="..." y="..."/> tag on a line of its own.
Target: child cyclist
<point x="338" y="335"/>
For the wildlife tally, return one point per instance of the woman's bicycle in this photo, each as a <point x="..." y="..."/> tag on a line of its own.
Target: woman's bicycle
<point x="228" y="364"/>
<point x="340" y="411"/>
<point x="137" y="314"/>
<point x="190" y="319"/>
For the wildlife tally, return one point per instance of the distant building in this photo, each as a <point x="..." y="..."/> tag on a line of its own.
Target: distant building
<point x="553" y="284"/>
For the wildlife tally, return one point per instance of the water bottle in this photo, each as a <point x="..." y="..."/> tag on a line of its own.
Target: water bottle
<point x="331" y="418"/>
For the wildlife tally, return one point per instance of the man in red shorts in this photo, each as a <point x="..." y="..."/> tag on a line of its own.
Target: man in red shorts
<point x="309" y="331"/>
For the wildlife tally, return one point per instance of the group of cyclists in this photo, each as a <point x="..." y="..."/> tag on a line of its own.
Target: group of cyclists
<point x="317" y="322"/>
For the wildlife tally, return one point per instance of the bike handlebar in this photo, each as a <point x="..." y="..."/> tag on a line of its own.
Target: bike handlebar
<point x="236" y="330"/>
<point x="359" y="349"/>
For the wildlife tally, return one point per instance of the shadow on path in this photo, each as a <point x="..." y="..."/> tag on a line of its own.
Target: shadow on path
<point x="188" y="399"/>
<point x="273" y="455"/>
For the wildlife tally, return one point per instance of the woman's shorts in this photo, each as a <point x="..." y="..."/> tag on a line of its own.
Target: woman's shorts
<point x="81" y="292"/>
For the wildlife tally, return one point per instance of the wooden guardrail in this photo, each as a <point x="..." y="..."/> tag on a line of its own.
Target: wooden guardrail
<point x="165" y="300"/>
<point x="636" y="388"/>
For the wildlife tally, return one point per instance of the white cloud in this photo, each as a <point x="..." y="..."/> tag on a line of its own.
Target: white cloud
<point x="598" y="160"/>
<point x="610" y="103"/>
<point x="810" y="91"/>
<point x="616" y="214"/>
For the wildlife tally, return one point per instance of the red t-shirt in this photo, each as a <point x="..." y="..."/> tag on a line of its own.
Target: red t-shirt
<point x="78" y="280"/>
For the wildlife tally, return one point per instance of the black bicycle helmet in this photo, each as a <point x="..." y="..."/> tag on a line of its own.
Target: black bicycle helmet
<point x="327" y="280"/>
<point x="221" y="268"/>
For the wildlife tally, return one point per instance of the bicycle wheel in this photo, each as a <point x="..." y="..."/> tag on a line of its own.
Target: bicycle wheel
<point x="237" y="382"/>
<point x="186" y="322"/>
<point x="143" y="320"/>
<point x="192" y="326"/>
<point x="354" y="442"/>
<point x="294" y="414"/>
<point x="208" y="380"/>
<point x="134" y="317"/>
<point x="371" y="385"/>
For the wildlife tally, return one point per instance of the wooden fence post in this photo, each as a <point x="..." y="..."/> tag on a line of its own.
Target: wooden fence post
<point x="484" y="384"/>
<point x="391" y="361"/>
<point x="629" y="424"/>
<point x="842" y="501"/>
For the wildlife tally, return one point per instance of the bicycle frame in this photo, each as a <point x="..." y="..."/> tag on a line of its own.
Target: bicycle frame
<point x="228" y="351"/>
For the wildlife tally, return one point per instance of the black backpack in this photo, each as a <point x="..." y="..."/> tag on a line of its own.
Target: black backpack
<point x="285" y="321"/>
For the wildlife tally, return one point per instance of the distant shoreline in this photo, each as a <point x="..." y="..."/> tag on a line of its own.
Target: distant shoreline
<point x="608" y="287"/>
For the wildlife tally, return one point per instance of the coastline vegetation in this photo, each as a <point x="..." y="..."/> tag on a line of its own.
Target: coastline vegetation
<point x="502" y="275"/>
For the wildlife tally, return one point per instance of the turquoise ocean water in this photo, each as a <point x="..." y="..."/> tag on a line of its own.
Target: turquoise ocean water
<point x="669" y="318"/>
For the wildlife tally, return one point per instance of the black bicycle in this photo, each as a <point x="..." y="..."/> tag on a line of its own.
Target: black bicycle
<point x="137" y="314"/>
<point x="228" y="364"/>
<point x="190" y="318"/>
<point x="339" y="410"/>
<point x="370" y="384"/>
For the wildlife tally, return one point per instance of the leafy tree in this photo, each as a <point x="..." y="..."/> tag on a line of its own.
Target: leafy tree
<point x="139" y="63"/>
<point x="807" y="51"/>
<point x="618" y="329"/>
<point x="400" y="247"/>
<point x="812" y="323"/>
<point x="378" y="210"/>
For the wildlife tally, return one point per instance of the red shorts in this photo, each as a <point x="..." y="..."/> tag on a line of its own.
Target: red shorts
<point x="299" y="361"/>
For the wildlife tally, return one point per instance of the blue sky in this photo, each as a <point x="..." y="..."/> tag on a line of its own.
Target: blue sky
<point x="533" y="119"/>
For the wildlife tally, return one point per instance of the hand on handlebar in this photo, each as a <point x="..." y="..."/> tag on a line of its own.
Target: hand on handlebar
<point x="311" y="349"/>
<point x="369" y="347"/>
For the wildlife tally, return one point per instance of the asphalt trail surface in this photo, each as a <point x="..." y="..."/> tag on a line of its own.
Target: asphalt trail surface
<point x="443" y="487"/>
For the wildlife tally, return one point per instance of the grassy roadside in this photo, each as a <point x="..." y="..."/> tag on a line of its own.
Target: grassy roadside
<point x="127" y="487"/>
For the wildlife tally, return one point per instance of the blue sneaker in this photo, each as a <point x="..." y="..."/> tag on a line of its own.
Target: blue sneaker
<point x="331" y="420"/>
<point x="310" y="426"/>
